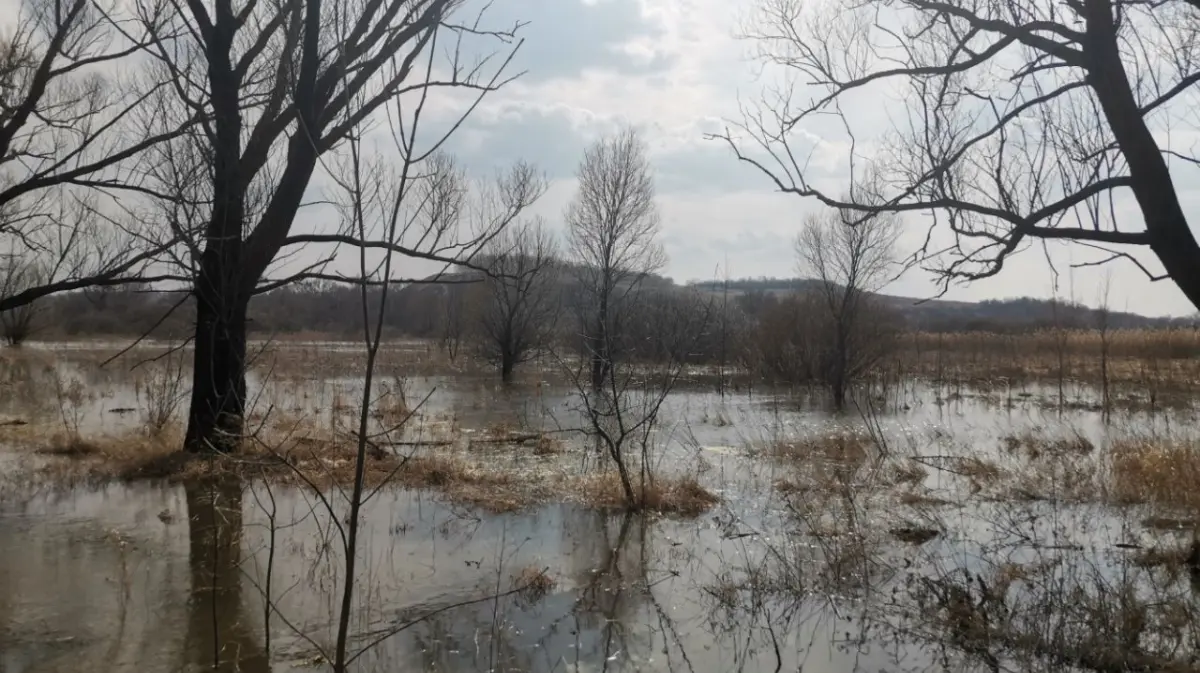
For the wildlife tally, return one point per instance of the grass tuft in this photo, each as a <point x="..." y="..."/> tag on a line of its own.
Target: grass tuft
<point x="534" y="583"/>
<point x="1156" y="472"/>
<point x="682" y="496"/>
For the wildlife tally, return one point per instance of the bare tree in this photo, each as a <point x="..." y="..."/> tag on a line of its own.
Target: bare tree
<point x="1025" y="121"/>
<point x="453" y="305"/>
<point x="1104" y="327"/>
<point x="17" y="276"/>
<point x="71" y="145"/>
<point x="280" y="86"/>
<point x="418" y="209"/>
<point x="518" y="320"/>
<point x="623" y="412"/>
<point x="612" y="226"/>
<point x="850" y="262"/>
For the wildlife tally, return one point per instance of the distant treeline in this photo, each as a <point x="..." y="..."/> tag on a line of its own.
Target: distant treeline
<point x="1021" y="314"/>
<point x="423" y="310"/>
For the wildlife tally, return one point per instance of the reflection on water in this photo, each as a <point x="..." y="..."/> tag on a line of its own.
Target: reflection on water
<point x="248" y="577"/>
<point x="174" y="578"/>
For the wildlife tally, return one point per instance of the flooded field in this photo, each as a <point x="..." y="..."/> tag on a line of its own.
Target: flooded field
<point x="933" y="527"/>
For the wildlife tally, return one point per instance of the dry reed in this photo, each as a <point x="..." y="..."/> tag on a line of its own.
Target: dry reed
<point x="1158" y="472"/>
<point x="682" y="496"/>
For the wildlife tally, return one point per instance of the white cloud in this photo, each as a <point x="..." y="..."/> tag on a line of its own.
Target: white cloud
<point x="682" y="74"/>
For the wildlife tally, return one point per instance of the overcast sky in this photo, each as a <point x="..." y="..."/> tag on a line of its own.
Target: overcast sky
<point x="676" y="70"/>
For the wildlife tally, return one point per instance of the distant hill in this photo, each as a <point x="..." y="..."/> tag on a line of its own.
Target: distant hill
<point x="1000" y="315"/>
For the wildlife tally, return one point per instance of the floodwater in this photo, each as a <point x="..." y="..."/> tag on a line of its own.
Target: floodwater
<point x="158" y="577"/>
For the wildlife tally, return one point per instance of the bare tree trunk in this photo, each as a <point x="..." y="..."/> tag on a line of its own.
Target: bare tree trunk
<point x="508" y="363"/>
<point x="600" y="350"/>
<point x="218" y="376"/>
<point x="1103" y="318"/>
<point x="622" y="470"/>
<point x="838" y="377"/>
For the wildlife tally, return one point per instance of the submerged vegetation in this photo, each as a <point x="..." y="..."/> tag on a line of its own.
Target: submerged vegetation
<point x="974" y="527"/>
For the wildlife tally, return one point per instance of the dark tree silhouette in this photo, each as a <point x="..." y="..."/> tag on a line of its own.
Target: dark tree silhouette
<point x="518" y="318"/>
<point x="1022" y="121"/>
<point x="72" y="145"/>
<point x="279" y="88"/>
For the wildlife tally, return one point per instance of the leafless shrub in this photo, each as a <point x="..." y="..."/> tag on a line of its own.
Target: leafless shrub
<point x="162" y="388"/>
<point x="850" y="261"/>
<point x="518" y="319"/>
<point x="16" y="277"/>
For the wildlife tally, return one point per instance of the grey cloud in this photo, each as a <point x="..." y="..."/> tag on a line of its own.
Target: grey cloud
<point x="543" y="137"/>
<point x="705" y="167"/>
<point x="555" y="138"/>
<point x="564" y="37"/>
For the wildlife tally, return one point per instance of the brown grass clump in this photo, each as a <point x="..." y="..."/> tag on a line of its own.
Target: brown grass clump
<point x="534" y="583"/>
<point x="70" y="446"/>
<point x="303" y="456"/>
<point x="500" y="430"/>
<point x="915" y="535"/>
<point x="392" y="407"/>
<point x="788" y="487"/>
<point x="908" y="472"/>
<point x="824" y="463"/>
<point x="1162" y="472"/>
<point x="981" y="472"/>
<point x="545" y="445"/>
<point x="675" y="496"/>
<point x="467" y="481"/>
<point x="106" y="455"/>
<point x="1171" y="523"/>
<point x="840" y="447"/>
<point x="1034" y="446"/>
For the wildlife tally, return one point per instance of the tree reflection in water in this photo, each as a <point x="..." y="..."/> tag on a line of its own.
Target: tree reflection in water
<point x="220" y="633"/>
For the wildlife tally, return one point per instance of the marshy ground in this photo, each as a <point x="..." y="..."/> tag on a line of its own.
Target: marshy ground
<point x="953" y="525"/>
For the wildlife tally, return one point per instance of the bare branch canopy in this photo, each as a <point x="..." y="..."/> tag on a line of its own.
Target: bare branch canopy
<point x="1016" y="121"/>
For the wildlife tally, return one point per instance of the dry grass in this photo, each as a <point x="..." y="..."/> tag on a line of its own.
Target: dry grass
<point x="1165" y="344"/>
<point x="823" y="462"/>
<point x="457" y="476"/>
<point x="534" y="583"/>
<point x="468" y="481"/>
<point x="981" y="472"/>
<point x="1171" y="523"/>
<point x="907" y="472"/>
<point x="284" y="451"/>
<point x="1161" y="363"/>
<point x="841" y="447"/>
<point x="304" y="454"/>
<point x="1034" y="446"/>
<point x="916" y="535"/>
<point x="682" y="496"/>
<point x="1159" y="472"/>
<point x="545" y="445"/>
<point x="108" y="450"/>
